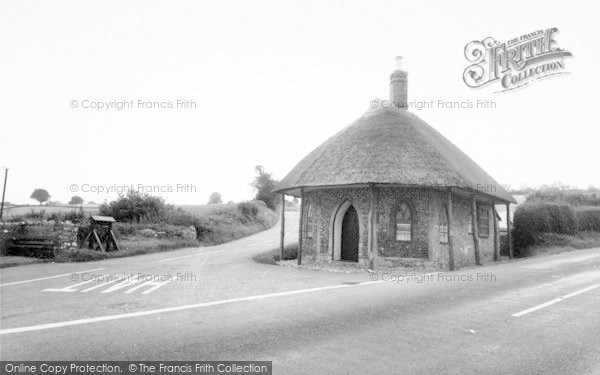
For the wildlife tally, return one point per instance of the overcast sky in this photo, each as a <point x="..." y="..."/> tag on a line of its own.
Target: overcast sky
<point x="271" y="81"/>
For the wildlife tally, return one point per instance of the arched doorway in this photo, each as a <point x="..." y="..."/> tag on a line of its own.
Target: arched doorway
<point x="350" y="236"/>
<point x="346" y="233"/>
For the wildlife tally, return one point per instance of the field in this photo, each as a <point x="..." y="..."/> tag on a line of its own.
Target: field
<point x="21" y="210"/>
<point x="200" y="210"/>
<point x="204" y="209"/>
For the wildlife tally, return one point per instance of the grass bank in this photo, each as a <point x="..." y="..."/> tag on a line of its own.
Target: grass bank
<point x="229" y="222"/>
<point x="555" y="243"/>
<point x="272" y="256"/>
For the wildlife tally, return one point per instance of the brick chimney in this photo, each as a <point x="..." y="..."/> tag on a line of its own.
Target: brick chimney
<point x="399" y="85"/>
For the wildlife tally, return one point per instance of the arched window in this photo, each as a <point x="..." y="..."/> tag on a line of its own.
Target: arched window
<point x="403" y="223"/>
<point x="443" y="225"/>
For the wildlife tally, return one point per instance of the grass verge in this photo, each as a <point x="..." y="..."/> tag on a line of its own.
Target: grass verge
<point x="128" y="247"/>
<point x="13" y="261"/>
<point x="555" y="243"/>
<point x="272" y="256"/>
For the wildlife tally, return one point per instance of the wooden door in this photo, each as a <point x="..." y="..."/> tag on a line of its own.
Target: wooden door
<point x="350" y="236"/>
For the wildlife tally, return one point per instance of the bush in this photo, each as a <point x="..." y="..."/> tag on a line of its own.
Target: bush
<point x="588" y="218"/>
<point x="177" y="216"/>
<point x="561" y="219"/>
<point x="248" y="209"/>
<point x="15" y="218"/>
<point x="533" y="219"/>
<point x="124" y="229"/>
<point x="36" y="215"/>
<point x="75" y="216"/>
<point x="290" y="252"/>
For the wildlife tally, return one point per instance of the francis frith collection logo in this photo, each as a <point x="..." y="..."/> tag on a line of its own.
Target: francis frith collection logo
<point x="515" y="63"/>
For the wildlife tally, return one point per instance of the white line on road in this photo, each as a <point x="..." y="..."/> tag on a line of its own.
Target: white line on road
<point x="538" y="307"/>
<point x="49" y="277"/>
<point x="179" y="308"/>
<point x="591" y="287"/>
<point x="556" y="300"/>
<point x="187" y="256"/>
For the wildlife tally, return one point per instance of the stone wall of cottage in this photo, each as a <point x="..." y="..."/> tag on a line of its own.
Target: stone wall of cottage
<point x="464" y="248"/>
<point x="425" y="251"/>
<point x="420" y="202"/>
<point x="324" y="204"/>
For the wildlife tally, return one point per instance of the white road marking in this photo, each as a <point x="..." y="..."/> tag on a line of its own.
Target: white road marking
<point x="124" y="283"/>
<point x="538" y="307"/>
<point x="100" y="285"/>
<point x="188" y="256"/>
<point x="70" y="288"/>
<point x="49" y="277"/>
<point x="556" y="300"/>
<point x="154" y="284"/>
<point x="180" y="308"/>
<point x="132" y="282"/>
<point x="591" y="287"/>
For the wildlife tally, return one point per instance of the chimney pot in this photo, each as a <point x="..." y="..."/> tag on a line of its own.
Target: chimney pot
<point x="399" y="85"/>
<point x="398" y="62"/>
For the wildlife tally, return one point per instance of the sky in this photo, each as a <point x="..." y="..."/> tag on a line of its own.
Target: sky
<point x="266" y="82"/>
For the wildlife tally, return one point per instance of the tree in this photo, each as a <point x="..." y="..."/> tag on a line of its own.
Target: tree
<point x="215" y="198"/>
<point x="40" y="195"/>
<point x="76" y="200"/>
<point x="264" y="185"/>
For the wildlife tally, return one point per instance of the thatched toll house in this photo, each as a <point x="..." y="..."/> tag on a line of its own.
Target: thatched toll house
<point x="389" y="191"/>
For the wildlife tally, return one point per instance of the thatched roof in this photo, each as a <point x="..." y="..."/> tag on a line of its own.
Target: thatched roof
<point x="390" y="146"/>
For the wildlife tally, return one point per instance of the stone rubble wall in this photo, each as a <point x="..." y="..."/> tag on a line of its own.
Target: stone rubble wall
<point x="64" y="234"/>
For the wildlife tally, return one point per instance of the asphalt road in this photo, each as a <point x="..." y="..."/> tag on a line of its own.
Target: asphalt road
<point x="532" y="316"/>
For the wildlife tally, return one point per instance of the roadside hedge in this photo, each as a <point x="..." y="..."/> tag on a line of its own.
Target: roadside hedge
<point x="588" y="218"/>
<point x="533" y="219"/>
